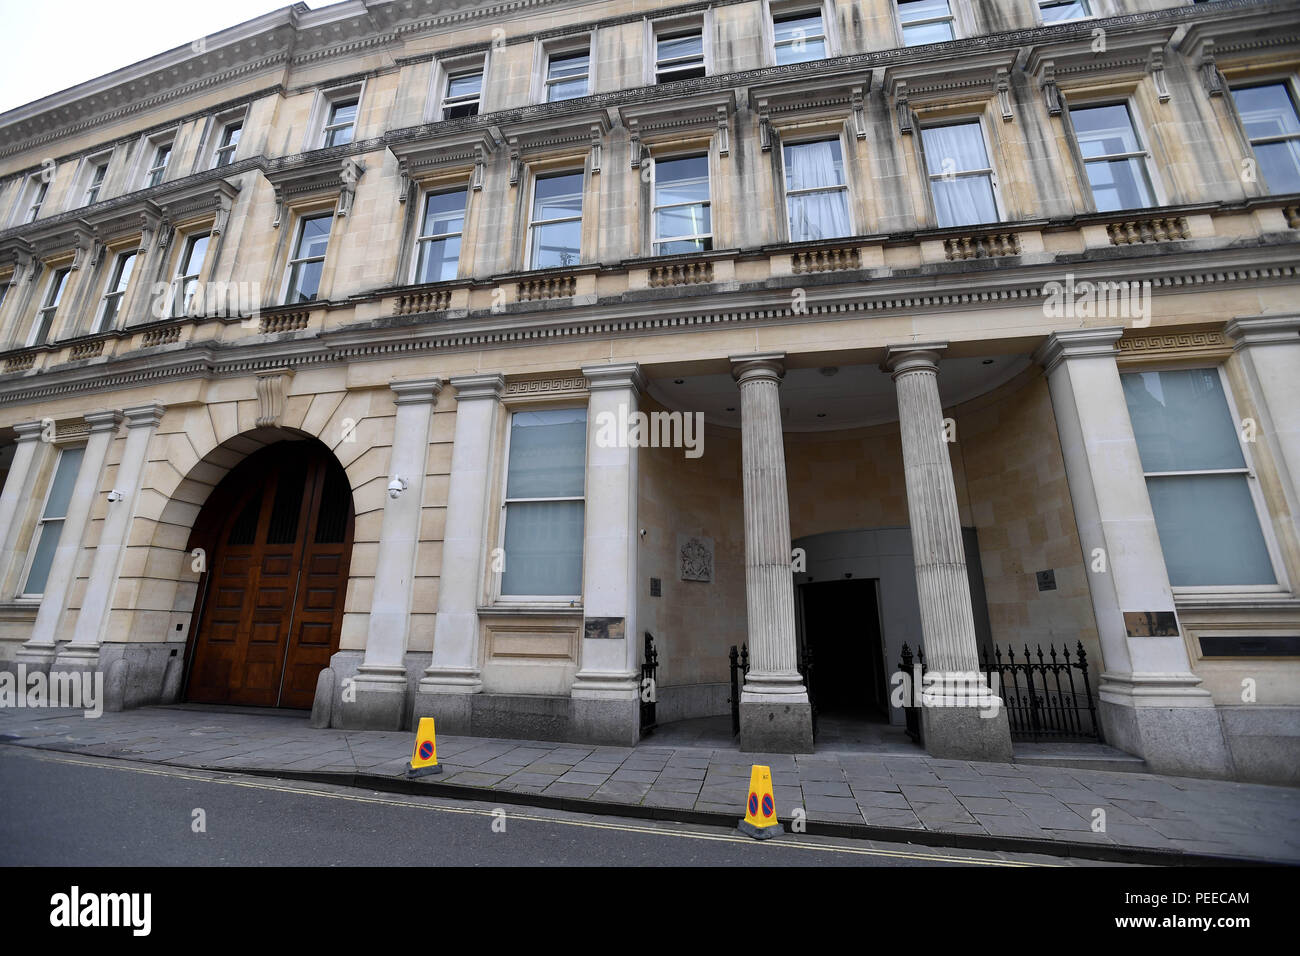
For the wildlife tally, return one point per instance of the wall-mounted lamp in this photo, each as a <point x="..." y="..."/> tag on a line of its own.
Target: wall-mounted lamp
<point x="396" y="486"/>
<point x="115" y="495"/>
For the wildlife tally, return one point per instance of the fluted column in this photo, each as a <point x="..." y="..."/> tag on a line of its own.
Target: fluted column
<point x="775" y="713"/>
<point x="961" y="716"/>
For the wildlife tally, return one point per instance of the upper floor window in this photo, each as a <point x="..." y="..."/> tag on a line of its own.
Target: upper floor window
<point x="1198" y="479"/>
<point x="682" y="222"/>
<point x="440" y="234"/>
<point x="679" y="56"/>
<point x="40" y="188"/>
<point x="1269" y="115"/>
<point x="799" y="37"/>
<point x="555" y="222"/>
<point x="98" y="168"/>
<point x="1058" y="11"/>
<point x="1115" y="161"/>
<point x="158" y="168"/>
<point x="342" y="122"/>
<point x="308" y="260"/>
<point x="926" y="21"/>
<point x="49" y="527"/>
<point x="464" y="94"/>
<point x="118" y="281"/>
<point x="49" y="307"/>
<point x="567" y="75"/>
<point x="185" y="286"/>
<point x="961" y="177"/>
<point x="545" y="477"/>
<point x="228" y="143"/>
<point x="816" y="194"/>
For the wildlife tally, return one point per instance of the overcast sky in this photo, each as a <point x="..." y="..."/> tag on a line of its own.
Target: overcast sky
<point x="50" y="45"/>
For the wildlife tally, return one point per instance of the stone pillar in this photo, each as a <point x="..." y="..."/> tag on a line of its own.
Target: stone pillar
<point x="1151" y="703"/>
<point x="604" y="702"/>
<point x="83" y="650"/>
<point x="39" y="650"/>
<point x="454" y="673"/>
<point x="1268" y="348"/>
<point x="381" y="683"/>
<point x="962" y="718"/>
<point x="17" y="489"/>
<point x="775" y="714"/>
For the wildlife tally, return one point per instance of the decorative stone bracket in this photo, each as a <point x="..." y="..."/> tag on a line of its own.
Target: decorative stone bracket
<point x="271" y="386"/>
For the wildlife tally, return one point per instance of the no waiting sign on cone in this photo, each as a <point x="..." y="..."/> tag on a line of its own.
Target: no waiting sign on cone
<point x="424" y="758"/>
<point x="760" y="808"/>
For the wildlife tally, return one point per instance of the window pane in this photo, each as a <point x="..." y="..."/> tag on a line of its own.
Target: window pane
<point x="47" y="541"/>
<point x="124" y="267"/>
<point x="65" y="476"/>
<point x="910" y="11"/>
<point x="1055" y="12"/>
<point x="305" y="280"/>
<point x="567" y="66"/>
<point x="469" y="84"/>
<point x="682" y="221"/>
<point x="566" y="90"/>
<point x="683" y="246"/>
<point x="557" y="244"/>
<point x="1279" y="163"/>
<point x="193" y="263"/>
<point x="819" y="215"/>
<point x="439" y="260"/>
<point x="557" y="197"/>
<point x="681" y="46"/>
<point x="954" y="148"/>
<point x="797" y="28"/>
<point x="444" y="213"/>
<point x="1266" y="111"/>
<point x="1119" y="184"/>
<point x="1209" y="531"/>
<point x="543" y="548"/>
<point x="343" y="113"/>
<point x="682" y="180"/>
<point x="1104" y="130"/>
<point x="814" y="165"/>
<point x="965" y="201"/>
<point x="927" y="33"/>
<point x="548" y="453"/>
<point x="314" y="238"/>
<point x="1181" y="421"/>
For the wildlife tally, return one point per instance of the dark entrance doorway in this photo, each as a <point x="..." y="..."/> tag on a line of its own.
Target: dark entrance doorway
<point x="278" y="537"/>
<point x="841" y="629"/>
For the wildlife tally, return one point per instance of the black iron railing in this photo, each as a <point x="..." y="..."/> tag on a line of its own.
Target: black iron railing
<point x="740" y="667"/>
<point x="649" y="685"/>
<point x="1046" y="696"/>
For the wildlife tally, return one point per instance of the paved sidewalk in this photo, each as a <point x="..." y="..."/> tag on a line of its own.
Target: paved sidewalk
<point x="905" y="792"/>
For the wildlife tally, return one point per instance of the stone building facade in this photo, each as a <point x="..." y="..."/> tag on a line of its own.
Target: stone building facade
<point x="419" y="358"/>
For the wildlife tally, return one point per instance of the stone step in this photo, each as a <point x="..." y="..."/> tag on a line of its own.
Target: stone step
<point x="1079" y="757"/>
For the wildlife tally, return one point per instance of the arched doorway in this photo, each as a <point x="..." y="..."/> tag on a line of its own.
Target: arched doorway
<point x="278" y="535"/>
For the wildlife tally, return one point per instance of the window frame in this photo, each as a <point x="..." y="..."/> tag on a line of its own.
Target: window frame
<point x="566" y="52"/>
<point x="93" y="187"/>
<point x="51" y="307"/>
<point x="1281" y="584"/>
<point x="655" y="241"/>
<point x="294" y="260"/>
<point x="786" y="10"/>
<point x="156" y="174"/>
<point x="34" y="204"/>
<point x="553" y="600"/>
<point x="670" y="30"/>
<point x="41" y="521"/>
<point x="450" y="103"/>
<point x="111" y="292"/>
<point x="992" y="170"/>
<point x="1157" y="194"/>
<point x="177" y="291"/>
<point x="223" y="147"/>
<point x="952" y="19"/>
<point x="1290" y="82"/>
<point x="420" y="240"/>
<point x="801" y="140"/>
<point x="530" y="223"/>
<point x="330" y="127"/>
<point x="1088" y="6"/>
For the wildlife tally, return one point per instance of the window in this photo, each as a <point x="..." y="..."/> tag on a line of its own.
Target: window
<point x="925" y="21"/>
<point x="186" y="284"/>
<point x="1269" y="116"/>
<point x="464" y="91"/>
<point x="1113" y="158"/>
<point x="1197" y="479"/>
<point x="227" y="144"/>
<point x="440" y="232"/>
<point x="309" y="258"/>
<point x="39" y="189"/>
<point x="162" y="155"/>
<point x="679" y="56"/>
<point x="45" y="539"/>
<point x="544" y="504"/>
<point x="555" y="226"/>
<point x="566" y="76"/>
<point x="97" y="171"/>
<point x="961" y="179"/>
<point x="799" y="37"/>
<point x="117" y="283"/>
<point x="45" y="316"/>
<point x="342" y="122"/>
<point x="816" y="195"/>
<point x="1058" y="11"/>
<point x="682" y="222"/>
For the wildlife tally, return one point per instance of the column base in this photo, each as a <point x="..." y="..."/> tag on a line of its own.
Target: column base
<point x="452" y="713"/>
<point x="37" y="658"/>
<point x="966" y="733"/>
<point x="1181" y="741"/>
<point x="376" y="700"/>
<point x="778" y="727"/>
<point x="604" y="720"/>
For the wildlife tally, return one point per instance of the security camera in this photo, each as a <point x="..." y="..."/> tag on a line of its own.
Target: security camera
<point x="396" y="487"/>
<point x="115" y="495"/>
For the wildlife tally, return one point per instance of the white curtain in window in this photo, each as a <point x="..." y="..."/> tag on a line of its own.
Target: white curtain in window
<point x="961" y="200"/>
<point x="816" y="215"/>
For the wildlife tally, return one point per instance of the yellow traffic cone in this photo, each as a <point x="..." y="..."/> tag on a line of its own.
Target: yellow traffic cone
<point x="424" y="758"/>
<point x="760" y="810"/>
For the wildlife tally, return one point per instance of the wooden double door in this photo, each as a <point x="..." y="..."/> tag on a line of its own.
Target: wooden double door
<point x="278" y="537"/>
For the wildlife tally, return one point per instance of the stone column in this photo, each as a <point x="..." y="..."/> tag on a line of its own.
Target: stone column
<point x="1151" y="703"/>
<point x="454" y="674"/>
<point x="83" y="650"/>
<point x="39" y="650"/>
<point x="775" y="714"/>
<point x="1268" y="348"/>
<point x="381" y="682"/>
<point x="961" y="717"/>
<point x="604" y="702"/>
<point x="16" y="489"/>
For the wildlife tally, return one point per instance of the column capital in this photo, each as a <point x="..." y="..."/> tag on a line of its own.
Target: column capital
<point x="142" y="416"/>
<point x="103" y="421"/>
<point x="760" y="366"/>
<point x="617" y="375"/>
<point x="1264" y="330"/>
<point x="420" y="391"/>
<point x="471" y="387"/>
<point x="28" y="431"/>
<point x="914" y="357"/>
<point x="1078" y="343"/>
